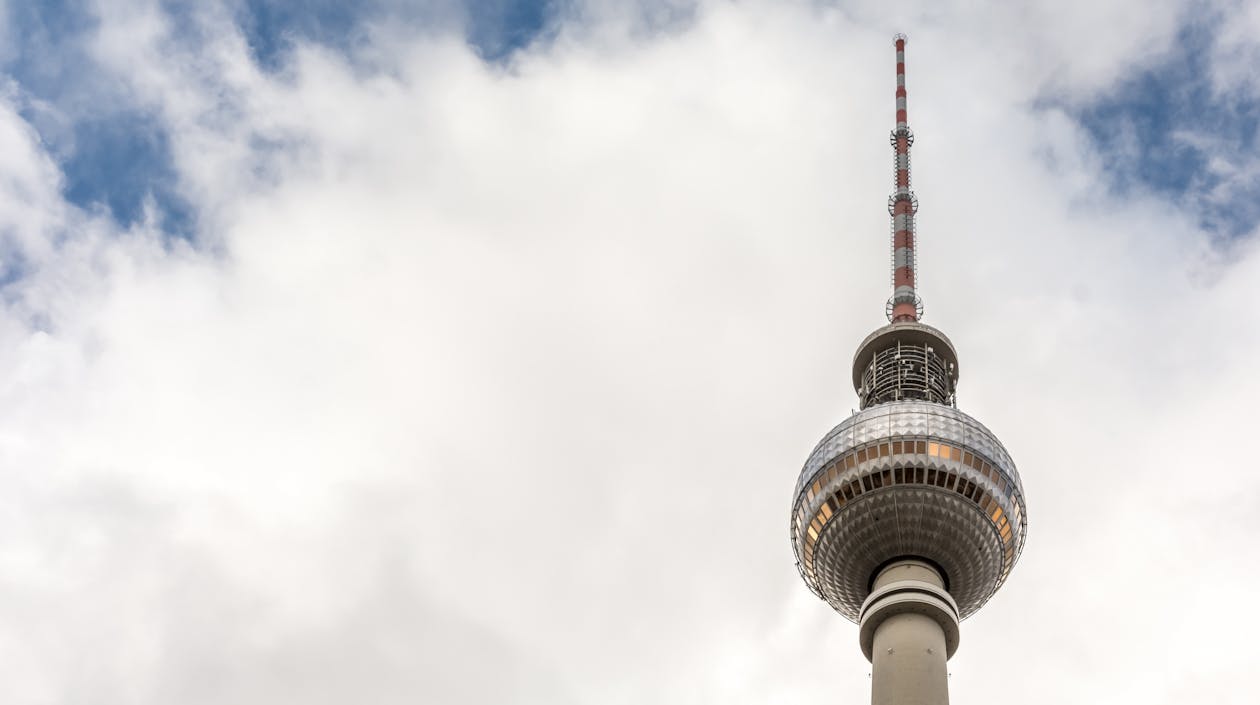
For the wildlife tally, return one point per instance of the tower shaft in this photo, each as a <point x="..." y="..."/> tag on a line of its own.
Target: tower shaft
<point x="909" y="663"/>
<point x="908" y="642"/>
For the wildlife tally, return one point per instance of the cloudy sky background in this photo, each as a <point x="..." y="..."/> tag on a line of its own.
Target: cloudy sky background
<point x="467" y="353"/>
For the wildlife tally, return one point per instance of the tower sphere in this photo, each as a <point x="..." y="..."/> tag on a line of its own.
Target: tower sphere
<point x="908" y="480"/>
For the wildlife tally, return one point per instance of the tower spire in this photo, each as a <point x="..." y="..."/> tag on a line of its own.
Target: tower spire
<point x="905" y="304"/>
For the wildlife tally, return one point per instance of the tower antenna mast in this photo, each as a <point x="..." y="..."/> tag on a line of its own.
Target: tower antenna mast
<point x="905" y="304"/>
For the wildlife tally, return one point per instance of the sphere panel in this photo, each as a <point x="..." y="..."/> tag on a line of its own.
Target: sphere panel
<point x="908" y="419"/>
<point x="899" y="521"/>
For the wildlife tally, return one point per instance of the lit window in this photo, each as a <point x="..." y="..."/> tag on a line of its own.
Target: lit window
<point x="934" y="449"/>
<point x="813" y="533"/>
<point x="826" y="510"/>
<point x="997" y="515"/>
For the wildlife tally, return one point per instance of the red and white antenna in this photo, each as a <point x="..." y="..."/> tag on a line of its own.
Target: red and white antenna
<point x="905" y="304"/>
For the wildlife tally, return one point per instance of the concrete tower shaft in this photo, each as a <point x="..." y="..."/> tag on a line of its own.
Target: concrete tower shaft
<point x="909" y="630"/>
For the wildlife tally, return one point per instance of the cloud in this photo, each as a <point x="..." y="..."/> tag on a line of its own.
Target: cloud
<point x="490" y="382"/>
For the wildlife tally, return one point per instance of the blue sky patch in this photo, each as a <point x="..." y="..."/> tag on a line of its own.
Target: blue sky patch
<point x="123" y="162"/>
<point x="494" y="28"/>
<point x="1167" y="130"/>
<point x="114" y="155"/>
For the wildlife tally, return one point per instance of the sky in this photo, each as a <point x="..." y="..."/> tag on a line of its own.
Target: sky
<point x="457" y="353"/>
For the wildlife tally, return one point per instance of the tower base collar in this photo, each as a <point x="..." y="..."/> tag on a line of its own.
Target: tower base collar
<point x="908" y="596"/>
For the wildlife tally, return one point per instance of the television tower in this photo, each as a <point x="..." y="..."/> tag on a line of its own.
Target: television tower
<point x="909" y="515"/>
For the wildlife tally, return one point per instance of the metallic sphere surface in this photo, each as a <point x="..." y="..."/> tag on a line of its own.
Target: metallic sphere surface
<point x="908" y="479"/>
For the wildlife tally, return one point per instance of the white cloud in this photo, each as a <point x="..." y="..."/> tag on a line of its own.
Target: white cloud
<point x="492" y="383"/>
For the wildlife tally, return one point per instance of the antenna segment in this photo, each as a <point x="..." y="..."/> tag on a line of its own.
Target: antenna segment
<point x="905" y="304"/>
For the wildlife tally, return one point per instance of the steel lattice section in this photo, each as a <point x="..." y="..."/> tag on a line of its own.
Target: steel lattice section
<point x="907" y="371"/>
